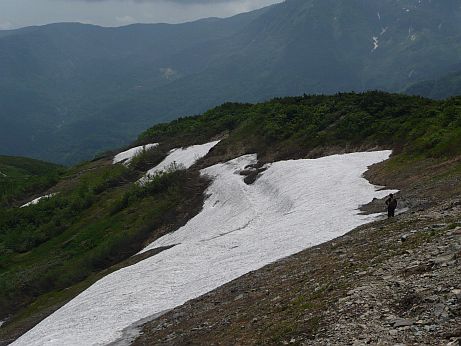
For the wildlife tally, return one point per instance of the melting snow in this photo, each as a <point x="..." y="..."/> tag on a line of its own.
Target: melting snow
<point x="375" y="43"/>
<point x="128" y="155"/>
<point x="182" y="157"/>
<point x="35" y="201"/>
<point x="292" y="206"/>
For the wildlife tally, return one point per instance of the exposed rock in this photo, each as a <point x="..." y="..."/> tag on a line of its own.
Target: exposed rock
<point x="401" y="322"/>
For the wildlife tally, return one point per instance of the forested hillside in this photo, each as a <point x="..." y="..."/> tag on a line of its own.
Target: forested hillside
<point x="60" y="83"/>
<point x="68" y="91"/>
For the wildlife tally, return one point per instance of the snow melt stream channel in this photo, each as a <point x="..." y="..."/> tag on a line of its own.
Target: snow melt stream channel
<point x="292" y="206"/>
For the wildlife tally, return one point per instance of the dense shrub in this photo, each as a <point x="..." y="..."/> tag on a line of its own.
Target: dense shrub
<point x="419" y="126"/>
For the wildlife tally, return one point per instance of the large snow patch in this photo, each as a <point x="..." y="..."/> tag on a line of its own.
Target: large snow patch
<point x="292" y="206"/>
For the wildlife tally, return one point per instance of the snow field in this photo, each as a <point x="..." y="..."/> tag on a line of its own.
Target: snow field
<point x="128" y="155"/>
<point x="292" y="206"/>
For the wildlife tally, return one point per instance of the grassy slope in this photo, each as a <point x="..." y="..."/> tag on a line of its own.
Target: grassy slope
<point x="308" y="126"/>
<point x="100" y="218"/>
<point x="20" y="177"/>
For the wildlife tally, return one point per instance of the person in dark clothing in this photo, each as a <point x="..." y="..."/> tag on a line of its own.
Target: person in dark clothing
<point x="391" y="203"/>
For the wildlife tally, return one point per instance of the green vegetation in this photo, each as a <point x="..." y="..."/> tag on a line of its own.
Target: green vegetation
<point x="296" y="126"/>
<point x="20" y="177"/>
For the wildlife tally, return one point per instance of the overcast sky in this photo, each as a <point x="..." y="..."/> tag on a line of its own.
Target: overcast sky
<point x="19" y="13"/>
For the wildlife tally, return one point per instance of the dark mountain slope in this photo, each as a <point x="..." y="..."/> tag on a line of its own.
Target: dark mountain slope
<point x="55" y="76"/>
<point x="104" y="85"/>
<point x="438" y="89"/>
<point x="326" y="46"/>
<point x="314" y="47"/>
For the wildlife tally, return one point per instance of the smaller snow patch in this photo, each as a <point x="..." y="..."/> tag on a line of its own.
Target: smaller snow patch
<point x="180" y="158"/>
<point x="35" y="201"/>
<point x="375" y="43"/>
<point x="128" y="155"/>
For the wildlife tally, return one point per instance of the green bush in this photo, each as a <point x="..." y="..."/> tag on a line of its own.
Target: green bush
<point x="299" y="124"/>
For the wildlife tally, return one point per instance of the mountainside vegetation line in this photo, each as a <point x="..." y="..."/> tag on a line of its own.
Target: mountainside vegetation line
<point x="70" y="90"/>
<point x="49" y="252"/>
<point x="294" y="127"/>
<point x="20" y="177"/>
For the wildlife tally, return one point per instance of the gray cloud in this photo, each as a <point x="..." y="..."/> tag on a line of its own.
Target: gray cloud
<point x="19" y="13"/>
<point x="180" y="2"/>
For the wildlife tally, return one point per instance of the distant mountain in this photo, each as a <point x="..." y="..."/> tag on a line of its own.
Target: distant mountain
<point x="69" y="90"/>
<point x="441" y="88"/>
<point x="57" y="81"/>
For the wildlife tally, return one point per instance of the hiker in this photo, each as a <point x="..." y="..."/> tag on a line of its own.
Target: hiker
<point x="391" y="203"/>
